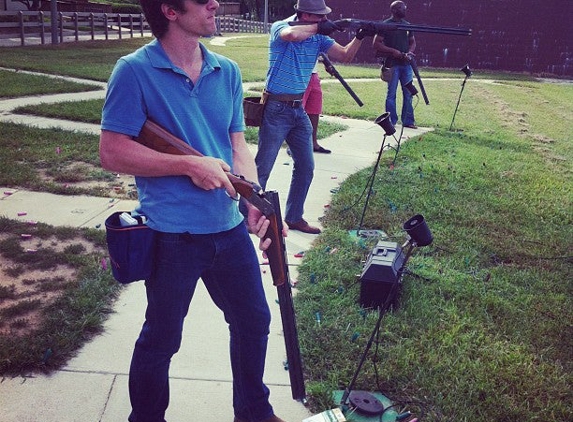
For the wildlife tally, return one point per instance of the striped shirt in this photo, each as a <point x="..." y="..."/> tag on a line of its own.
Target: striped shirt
<point x="291" y="63"/>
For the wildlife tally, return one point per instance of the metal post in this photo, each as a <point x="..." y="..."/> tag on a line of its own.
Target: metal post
<point x="61" y="24"/>
<point x="76" y="26"/>
<point x="42" y="29"/>
<point x="266" y="18"/>
<point x="21" y="24"/>
<point x="92" y="29"/>
<point x="54" y="20"/>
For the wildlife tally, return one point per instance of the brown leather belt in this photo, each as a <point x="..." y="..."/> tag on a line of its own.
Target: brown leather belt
<point x="292" y="100"/>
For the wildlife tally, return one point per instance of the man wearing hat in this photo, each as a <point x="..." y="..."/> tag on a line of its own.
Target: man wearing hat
<point x="294" y="50"/>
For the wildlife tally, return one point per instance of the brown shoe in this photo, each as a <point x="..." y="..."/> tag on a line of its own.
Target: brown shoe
<point x="303" y="226"/>
<point x="322" y="150"/>
<point x="271" y="419"/>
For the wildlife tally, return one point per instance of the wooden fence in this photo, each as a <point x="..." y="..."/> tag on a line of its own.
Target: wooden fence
<point x="36" y="27"/>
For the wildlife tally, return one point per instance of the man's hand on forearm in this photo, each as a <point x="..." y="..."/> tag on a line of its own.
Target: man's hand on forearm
<point x="327" y="27"/>
<point x="368" y="30"/>
<point x="258" y="225"/>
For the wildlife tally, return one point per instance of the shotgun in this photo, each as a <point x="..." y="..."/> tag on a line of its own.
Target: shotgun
<point x="414" y="65"/>
<point x="157" y="138"/>
<point x="329" y="67"/>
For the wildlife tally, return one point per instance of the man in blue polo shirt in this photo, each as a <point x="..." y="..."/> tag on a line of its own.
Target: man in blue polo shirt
<point x="293" y="54"/>
<point x="197" y="96"/>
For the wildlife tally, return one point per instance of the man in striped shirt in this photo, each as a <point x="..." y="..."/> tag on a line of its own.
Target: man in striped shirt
<point x="294" y="50"/>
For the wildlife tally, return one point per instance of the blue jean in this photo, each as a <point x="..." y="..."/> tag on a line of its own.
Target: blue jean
<point x="402" y="74"/>
<point x="281" y="122"/>
<point x="228" y="265"/>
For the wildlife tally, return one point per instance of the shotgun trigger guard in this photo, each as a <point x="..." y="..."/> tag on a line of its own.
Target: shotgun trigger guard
<point x="237" y="197"/>
<point x="256" y="196"/>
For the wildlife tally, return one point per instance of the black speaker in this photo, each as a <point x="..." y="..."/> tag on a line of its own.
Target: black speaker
<point x="418" y="230"/>
<point x="381" y="274"/>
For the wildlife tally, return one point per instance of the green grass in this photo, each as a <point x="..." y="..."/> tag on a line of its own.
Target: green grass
<point x="51" y="160"/>
<point x="15" y="84"/>
<point x="85" y="59"/>
<point x="89" y="111"/>
<point x="484" y="327"/>
<point x="484" y="324"/>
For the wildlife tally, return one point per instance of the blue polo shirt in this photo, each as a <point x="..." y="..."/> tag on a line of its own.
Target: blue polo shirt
<point x="146" y="84"/>
<point x="291" y="63"/>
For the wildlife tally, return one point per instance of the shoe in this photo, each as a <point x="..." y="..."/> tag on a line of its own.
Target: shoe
<point x="303" y="226"/>
<point x="412" y="126"/>
<point x="271" y="419"/>
<point x="322" y="150"/>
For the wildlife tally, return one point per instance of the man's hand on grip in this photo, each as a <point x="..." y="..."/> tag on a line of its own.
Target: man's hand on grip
<point x="209" y="173"/>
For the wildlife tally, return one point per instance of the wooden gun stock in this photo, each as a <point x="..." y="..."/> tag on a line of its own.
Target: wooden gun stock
<point x="157" y="138"/>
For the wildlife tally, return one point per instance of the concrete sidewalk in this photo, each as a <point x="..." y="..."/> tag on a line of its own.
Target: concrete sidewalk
<point x="93" y="385"/>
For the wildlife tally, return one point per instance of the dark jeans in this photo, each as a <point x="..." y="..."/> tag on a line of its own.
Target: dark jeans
<point x="281" y="123"/>
<point x="228" y="265"/>
<point x="400" y="74"/>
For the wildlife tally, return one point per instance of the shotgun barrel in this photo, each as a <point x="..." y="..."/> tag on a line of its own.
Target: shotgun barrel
<point x="380" y="27"/>
<point x="329" y="67"/>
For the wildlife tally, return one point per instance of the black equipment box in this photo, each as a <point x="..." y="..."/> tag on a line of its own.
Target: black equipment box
<point x="381" y="275"/>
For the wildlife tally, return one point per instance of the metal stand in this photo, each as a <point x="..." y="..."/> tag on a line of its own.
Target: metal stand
<point x="459" y="98"/>
<point x="370" y="184"/>
<point x="363" y="396"/>
<point x="397" y="147"/>
<point x="384" y="122"/>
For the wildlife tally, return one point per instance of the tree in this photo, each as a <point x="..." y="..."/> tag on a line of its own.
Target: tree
<point x="278" y="9"/>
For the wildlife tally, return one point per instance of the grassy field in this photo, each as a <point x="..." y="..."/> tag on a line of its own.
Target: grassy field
<point x="484" y="326"/>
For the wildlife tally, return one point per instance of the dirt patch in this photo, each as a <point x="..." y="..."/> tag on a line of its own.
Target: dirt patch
<point x="35" y="268"/>
<point x="518" y="121"/>
<point x="123" y="187"/>
<point x="90" y="180"/>
<point x="24" y="290"/>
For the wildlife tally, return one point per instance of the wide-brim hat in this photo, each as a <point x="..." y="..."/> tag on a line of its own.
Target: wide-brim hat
<point x="316" y="7"/>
